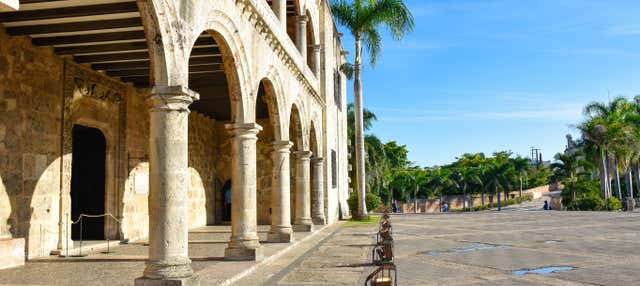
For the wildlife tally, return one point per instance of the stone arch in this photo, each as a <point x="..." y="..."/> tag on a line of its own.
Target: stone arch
<point x="315" y="137"/>
<point x="272" y="84"/>
<point x="236" y="66"/>
<point x="298" y="125"/>
<point x="313" y="28"/>
<point x="292" y="20"/>
<point x="168" y="53"/>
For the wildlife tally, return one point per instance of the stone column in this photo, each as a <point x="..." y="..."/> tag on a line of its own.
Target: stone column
<point x="280" y="9"/>
<point x="316" y="59"/>
<point x="303" y="192"/>
<point x="281" y="230"/>
<point x="317" y="213"/>
<point x="244" y="244"/>
<point x="168" y="262"/>
<point x="301" y="37"/>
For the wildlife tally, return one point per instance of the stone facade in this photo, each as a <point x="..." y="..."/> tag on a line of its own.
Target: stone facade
<point x="157" y="149"/>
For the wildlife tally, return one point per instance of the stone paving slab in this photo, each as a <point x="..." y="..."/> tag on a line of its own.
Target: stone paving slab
<point x="482" y="248"/>
<point x="206" y="249"/>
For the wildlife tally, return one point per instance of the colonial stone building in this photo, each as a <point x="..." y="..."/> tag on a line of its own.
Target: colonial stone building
<point x="168" y="115"/>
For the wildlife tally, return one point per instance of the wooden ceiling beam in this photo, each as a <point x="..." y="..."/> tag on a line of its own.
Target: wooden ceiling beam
<point x="144" y="64"/>
<point x="75" y="26"/>
<point x="145" y="72"/>
<point x="101" y="48"/>
<point x="90" y="38"/>
<point x="132" y="46"/>
<point x="65" y="12"/>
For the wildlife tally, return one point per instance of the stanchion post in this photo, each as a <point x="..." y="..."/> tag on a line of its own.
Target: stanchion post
<point x="80" y="249"/>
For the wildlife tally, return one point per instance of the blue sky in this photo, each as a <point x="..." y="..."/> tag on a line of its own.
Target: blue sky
<point x="483" y="75"/>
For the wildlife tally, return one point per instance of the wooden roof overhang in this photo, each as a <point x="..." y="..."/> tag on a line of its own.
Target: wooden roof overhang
<point x="106" y="35"/>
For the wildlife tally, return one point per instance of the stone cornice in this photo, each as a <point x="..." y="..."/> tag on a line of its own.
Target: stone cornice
<point x="267" y="24"/>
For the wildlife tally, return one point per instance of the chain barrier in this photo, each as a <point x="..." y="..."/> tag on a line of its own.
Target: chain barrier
<point x="80" y="221"/>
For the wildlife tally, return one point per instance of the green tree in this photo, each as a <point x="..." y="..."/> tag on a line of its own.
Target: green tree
<point x="439" y="179"/>
<point x="363" y="19"/>
<point x="569" y="168"/>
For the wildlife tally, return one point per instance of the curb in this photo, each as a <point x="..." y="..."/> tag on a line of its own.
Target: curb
<point x="253" y="268"/>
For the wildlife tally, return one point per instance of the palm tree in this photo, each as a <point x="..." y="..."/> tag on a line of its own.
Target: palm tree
<point x="521" y="165"/>
<point x="569" y="168"/>
<point x="363" y="19"/>
<point x="607" y="128"/>
<point x="439" y="180"/>
<point x="465" y="177"/>
<point x="498" y="172"/>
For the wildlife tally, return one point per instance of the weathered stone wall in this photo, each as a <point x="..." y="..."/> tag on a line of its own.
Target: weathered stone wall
<point x="334" y="118"/>
<point x="135" y="218"/>
<point x="264" y="171"/>
<point x="30" y="114"/>
<point x="202" y="157"/>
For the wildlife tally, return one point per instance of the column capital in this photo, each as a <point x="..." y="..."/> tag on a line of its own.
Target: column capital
<point x="316" y="48"/>
<point x="282" y="146"/>
<point x="303" y="155"/>
<point x="243" y="128"/>
<point x="317" y="160"/>
<point x="303" y="19"/>
<point x="171" y="98"/>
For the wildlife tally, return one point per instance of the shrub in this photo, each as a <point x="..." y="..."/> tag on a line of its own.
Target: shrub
<point x="613" y="204"/>
<point x="372" y="200"/>
<point x="589" y="203"/>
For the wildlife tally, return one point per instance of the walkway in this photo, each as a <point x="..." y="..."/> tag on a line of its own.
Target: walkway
<point x="206" y="250"/>
<point x="479" y="249"/>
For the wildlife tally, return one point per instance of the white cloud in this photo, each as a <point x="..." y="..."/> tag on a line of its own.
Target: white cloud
<point x="567" y="112"/>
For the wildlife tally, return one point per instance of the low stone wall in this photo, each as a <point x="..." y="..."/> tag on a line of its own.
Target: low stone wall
<point x="456" y="201"/>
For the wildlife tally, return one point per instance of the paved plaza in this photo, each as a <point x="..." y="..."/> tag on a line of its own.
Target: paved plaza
<point x="482" y="248"/>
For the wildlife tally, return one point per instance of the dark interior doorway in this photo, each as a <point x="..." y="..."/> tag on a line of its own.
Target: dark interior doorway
<point x="88" y="182"/>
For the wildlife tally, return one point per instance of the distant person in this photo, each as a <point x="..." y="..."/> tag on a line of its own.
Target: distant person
<point x="546" y="206"/>
<point x="445" y="208"/>
<point x="394" y="207"/>
<point x="227" y="201"/>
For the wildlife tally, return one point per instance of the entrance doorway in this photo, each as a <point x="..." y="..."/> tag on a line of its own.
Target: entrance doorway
<point x="88" y="182"/>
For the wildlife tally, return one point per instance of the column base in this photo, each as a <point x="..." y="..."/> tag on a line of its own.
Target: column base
<point x="187" y="281"/>
<point x="279" y="237"/>
<point x="319" y="220"/>
<point x="56" y="252"/>
<point x="243" y="254"/>
<point x="303" y="227"/>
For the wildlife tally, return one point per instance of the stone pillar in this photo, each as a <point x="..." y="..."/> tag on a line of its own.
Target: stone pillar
<point x="301" y="37"/>
<point x="281" y="230"/>
<point x="303" y="192"/>
<point x="168" y="262"/>
<point x="316" y="59"/>
<point x="244" y="244"/>
<point x="317" y="214"/>
<point x="280" y="9"/>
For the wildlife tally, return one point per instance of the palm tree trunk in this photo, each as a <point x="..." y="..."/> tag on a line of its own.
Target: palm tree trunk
<point x="617" y="179"/>
<point x="629" y="183"/>
<point x="415" y="201"/>
<point x="464" y="200"/>
<point x="483" y="198"/>
<point x="521" y="186"/>
<point x="499" y="206"/>
<point x="638" y="178"/>
<point x="359" y="128"/>
<point x="604" y="176"/>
